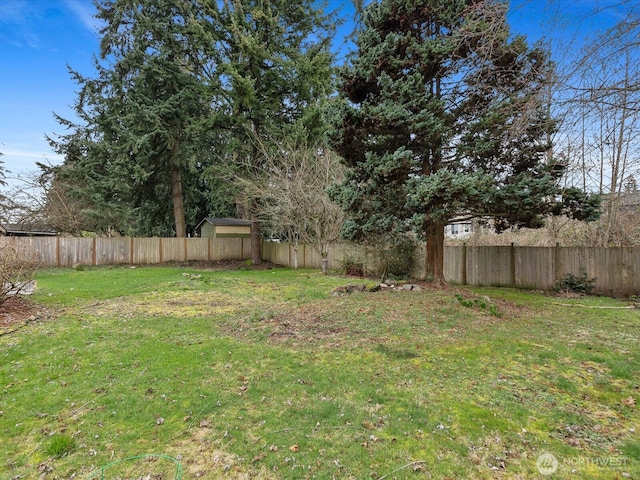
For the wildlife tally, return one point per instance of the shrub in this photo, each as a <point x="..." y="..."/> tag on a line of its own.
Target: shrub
<point x="400" y="258"/>
<point x="18" y="266"/>
<point x="353" y="267"/>
<point x="581" y="283"/>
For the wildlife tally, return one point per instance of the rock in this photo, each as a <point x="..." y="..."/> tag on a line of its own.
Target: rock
<point x="350" y="289"/>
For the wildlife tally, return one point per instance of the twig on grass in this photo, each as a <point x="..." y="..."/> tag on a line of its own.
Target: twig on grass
<point x="339" y="427"/>
<point x="626" y="307"/>
<point x="411" y="464"/>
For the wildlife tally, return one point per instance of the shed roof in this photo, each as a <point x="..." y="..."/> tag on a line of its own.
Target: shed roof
<point x="236" y="222"/>
<point x="25" y="229"/>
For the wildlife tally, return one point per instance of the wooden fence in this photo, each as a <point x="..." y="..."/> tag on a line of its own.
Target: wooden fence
<point x="72" y="251"/>
<point x="616" y="270"/>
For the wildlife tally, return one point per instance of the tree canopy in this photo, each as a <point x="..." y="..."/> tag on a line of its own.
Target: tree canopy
<point x="180" y="88"/>
<point x="442" y="115"/>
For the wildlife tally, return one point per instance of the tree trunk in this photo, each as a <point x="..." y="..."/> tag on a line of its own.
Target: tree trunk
<point x="178" y="203"/>
<point x="256" y="242"/>
<point x="434" y="265"/>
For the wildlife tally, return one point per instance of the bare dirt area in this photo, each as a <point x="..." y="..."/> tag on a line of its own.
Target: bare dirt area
<point x="222" y="265"/>
<point x="17" y="311"/>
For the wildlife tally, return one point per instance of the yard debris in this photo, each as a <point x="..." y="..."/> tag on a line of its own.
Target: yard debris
<point x="603" y="307"/>
<point x="629" y="401"/>
<point x="20" y="288"/>
<point x="358" y="288"/>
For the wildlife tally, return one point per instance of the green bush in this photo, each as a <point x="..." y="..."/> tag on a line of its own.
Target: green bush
<point x="400" y="258"/>
<point x="581" y="283"/>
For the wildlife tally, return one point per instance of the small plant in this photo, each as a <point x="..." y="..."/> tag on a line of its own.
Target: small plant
<point x="484" y="303"/>
<point x="581" y="283"/>
<point x="61" y="445"/>
<point x="353" y="267"/>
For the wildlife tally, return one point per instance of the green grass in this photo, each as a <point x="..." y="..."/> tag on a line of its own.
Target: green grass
<point x="265" y="375"/>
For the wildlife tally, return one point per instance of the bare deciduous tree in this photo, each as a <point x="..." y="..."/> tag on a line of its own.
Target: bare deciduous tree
<point x="290" y="189"/>
<point x="18" y="266"/>
<point x="40" y="198"/>
<point x="598" y="95"/>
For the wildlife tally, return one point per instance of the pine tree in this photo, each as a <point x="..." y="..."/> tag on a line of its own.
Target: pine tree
<point x="443" y="115"/>
<point x="146" y="114"/>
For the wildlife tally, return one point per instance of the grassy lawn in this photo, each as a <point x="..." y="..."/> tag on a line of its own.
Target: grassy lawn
<point x="162" y="373"/>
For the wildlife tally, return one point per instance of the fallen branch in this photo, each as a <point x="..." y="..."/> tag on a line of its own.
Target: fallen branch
<point x="412" y="464"/>
<point x="626" y="307"/>
<point x="26" y="322"/>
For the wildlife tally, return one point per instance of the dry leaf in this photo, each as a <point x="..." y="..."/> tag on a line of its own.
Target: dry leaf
<point x="294" y="448"/>
<point x="368" y="425"/>
<point x="273" y="448"/>
<point x="629" y="402"/>
<point x="159" y="421"/>
<point x="259" y="457"/>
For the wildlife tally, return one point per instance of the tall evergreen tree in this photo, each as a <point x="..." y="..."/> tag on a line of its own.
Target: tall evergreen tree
<point x="443" y="115"/>
<point x="277" y="67"/>
<point x="146" y="113"/>
<point x="183" y="86"/>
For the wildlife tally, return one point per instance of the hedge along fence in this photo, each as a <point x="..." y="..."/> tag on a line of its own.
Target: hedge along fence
<point x="73" y="251"/>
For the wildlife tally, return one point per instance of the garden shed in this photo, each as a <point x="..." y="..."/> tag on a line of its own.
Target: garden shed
<point x="224" y="228"/>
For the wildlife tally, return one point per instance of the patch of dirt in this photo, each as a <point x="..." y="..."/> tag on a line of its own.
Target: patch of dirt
<point x="222" y="265"/>
<point x="17" y="311"/>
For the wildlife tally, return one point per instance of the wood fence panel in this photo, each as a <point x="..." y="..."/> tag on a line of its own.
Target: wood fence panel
<point x="535" y="267"/>
<point x="454" y="266"/>
<point x="230" y="249"/>
<point x="489" y="266"/>
<point x="280" y="253"/>
<point x="74" y="251"/>
<point x="616" y="270"/>
<point x="198" y="249"/>
<point x="44" y="247"/>
<point x="146" y="251"/>
<point x="173" y="249"/>
<point x="112" y="251"/>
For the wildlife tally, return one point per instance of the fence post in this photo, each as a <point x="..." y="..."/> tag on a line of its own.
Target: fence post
<point x="557" y="263"/>
<point x="464" y="264"/>
<point x="512" y="266"/>
<point x="58" y="252"/>
<point x="160" y="249"/>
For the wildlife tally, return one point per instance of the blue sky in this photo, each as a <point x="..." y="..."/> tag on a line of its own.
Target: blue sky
<point x="39" y="38"/>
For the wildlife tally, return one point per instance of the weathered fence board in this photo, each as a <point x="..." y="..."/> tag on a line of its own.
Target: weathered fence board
<point x="616" y="271"/>
<point x="72" y="251"/>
